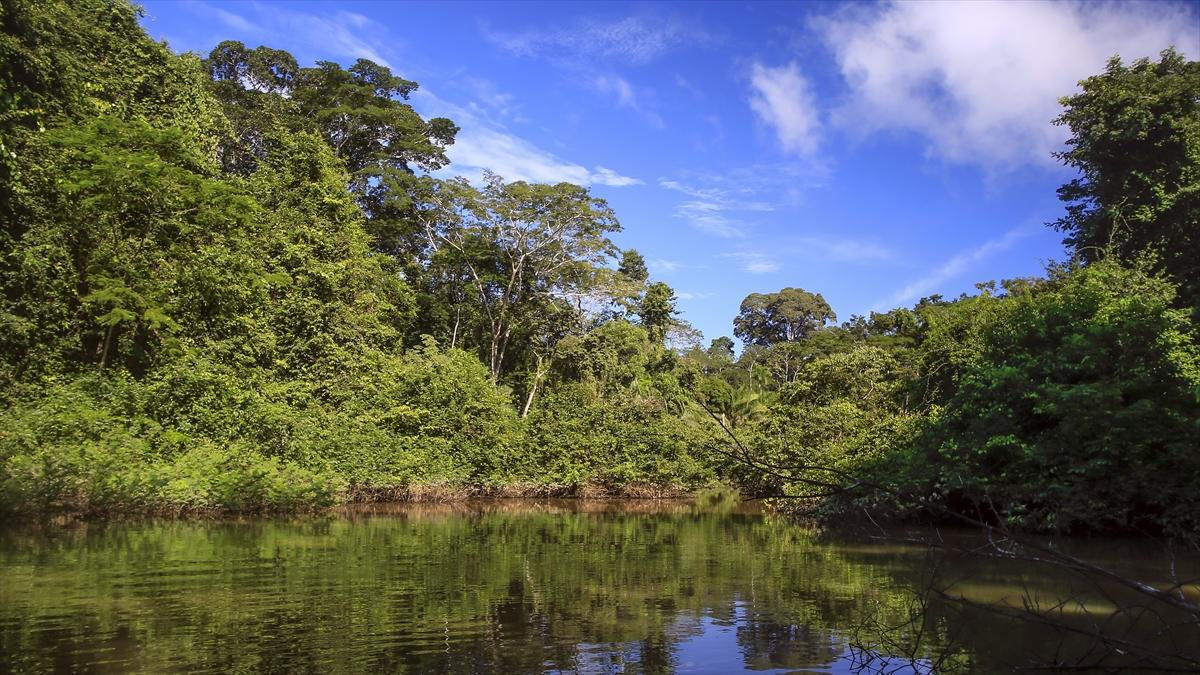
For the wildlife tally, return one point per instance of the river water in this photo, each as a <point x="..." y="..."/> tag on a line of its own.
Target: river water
<point x="529" y="587"/>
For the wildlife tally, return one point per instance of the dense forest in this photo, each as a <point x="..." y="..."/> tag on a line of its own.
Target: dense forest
<point x="231" y="282"/>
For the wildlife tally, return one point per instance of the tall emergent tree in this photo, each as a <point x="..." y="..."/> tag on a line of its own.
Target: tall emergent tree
<point x="786" y="316"/>
<point x="522" y="246"/>
<point x="656" y="309"/>
<point x="1135" y="138"/>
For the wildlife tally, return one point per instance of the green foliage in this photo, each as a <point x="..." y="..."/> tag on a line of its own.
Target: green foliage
<point x="842" y="415"/>
<point x="575" y="438"/>
<point x="1135" y="138"/>
<point x="129" y="241"/>
<point x="92" y="447"/>
<point x="633" y="266"/>
<point x="1080" y="409"/>
<point x="656" y="310"/>
<point x="225" y="285"/>
<point x="789" y="315"/>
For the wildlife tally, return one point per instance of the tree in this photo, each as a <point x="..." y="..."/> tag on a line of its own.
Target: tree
<point x="1135" y="138"/>
<point x="521" y="245"/>
<point x="721" y="349"/>
<point x="1077" y="407"/>
<point x="362" y="113"/>
<point x="360" y="110"/>
<point x="786" y="316"/>
<point x="138" y="244"/>
<point x="633" y="266"/>
<point x="657" y="310"/>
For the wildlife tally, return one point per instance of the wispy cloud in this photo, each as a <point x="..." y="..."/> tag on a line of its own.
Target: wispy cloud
<point x="980" y="81"/>
<point x="709" y="209"/>
<point x="694" y="295"/>
<point x="605" y="176"/>
<point x="782" y="99"/>
<point x="764" y="259"/>
<point x="486" y="99"/>
<point x="592" y="51"/>
<point x="626" y="96"/>
<point x="231" y="20"/>
<point x="664" y="265"/>
<point x="754" y="262"/>
<point x="634" y="40"/>
<point x="953" y="267"/>
<point x="727" y="203"/>
<point x="340" y="35"/>
<point x="842" y="250"/>
<point x="482" y="145"/>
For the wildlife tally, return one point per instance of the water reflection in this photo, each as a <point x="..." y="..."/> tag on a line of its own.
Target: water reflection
<point x="489" y="587"/>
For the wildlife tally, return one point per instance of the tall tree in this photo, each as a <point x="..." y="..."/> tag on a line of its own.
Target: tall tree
<point x="657" y="310"/>
<point x="633" y="266"/>
<point x="786" y="316"/>
<point x="1135" y="139"/>
<point x="522" y="245"/>
<point x="721" y="349"/>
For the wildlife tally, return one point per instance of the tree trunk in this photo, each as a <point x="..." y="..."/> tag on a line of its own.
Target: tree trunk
<point x="537" y="377"/>
<point x="107" y="345"/>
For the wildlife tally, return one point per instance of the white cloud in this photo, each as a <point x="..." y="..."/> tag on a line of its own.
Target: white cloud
<point x="844" y="250"/>
<point x="708" y="208"/>
<point x="955" y="266"/>
<point x="481" y="146"/>
<point x="619" y="87"/>
<point x="345" y="33"/>
<point x="782" y="98"/>
<point x="723" y="204"/>
<point x="980" y="81"/>
<point x="634" y="40"/>
<point x="626" y="96"/>
<point x="478" y="147"/>
<point x="234" y="21"/>
<point x="486" y="99"/>
<point x="342" y="35"/>
<point x="664" y="264"/>
<point x="606" y="176"/>
<point x="588" y="50"/>
<point x="754" y="262"/>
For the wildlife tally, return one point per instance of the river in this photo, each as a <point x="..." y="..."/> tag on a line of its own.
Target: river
<point x="524" y="587"/>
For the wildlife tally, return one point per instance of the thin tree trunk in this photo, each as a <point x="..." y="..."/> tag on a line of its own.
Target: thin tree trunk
<point x="107" y="344"/>
<point x="537" y="377"/>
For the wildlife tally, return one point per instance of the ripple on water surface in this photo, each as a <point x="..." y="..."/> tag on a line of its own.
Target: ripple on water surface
<point x="487" y="588"/>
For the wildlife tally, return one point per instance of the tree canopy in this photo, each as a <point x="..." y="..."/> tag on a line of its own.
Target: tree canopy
<point x="786" y="316"/>
<point x="1135" y="139"/>
<point x="244" y="283"/>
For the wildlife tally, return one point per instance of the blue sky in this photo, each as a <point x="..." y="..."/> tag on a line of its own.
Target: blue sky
<point x="875" y="153"/>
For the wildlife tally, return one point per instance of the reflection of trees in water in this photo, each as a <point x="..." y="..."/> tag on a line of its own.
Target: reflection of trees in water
<point x="769" y="644"/>
<point x="993" y="600"/>
<point x="497" y="590"/>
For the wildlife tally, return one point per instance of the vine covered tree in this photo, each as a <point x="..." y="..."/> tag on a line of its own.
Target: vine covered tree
<point x="1135" y="139"/>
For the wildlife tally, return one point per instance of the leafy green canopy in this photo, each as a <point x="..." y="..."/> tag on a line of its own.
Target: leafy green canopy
<point x="231" y="283"/>
<point x="1135" y="138"/>
<point x="1080" y="409"/>
<point x="786" y="316"/>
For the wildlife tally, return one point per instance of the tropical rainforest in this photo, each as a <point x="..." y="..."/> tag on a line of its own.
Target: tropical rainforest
<point x="238" y="282"/>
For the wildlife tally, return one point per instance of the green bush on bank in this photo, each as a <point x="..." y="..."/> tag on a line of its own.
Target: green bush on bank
<point x="576" y="438"/>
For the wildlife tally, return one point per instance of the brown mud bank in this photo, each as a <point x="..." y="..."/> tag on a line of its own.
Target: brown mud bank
<point x="448" y="492"/>
<point x="430" y="497"/>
